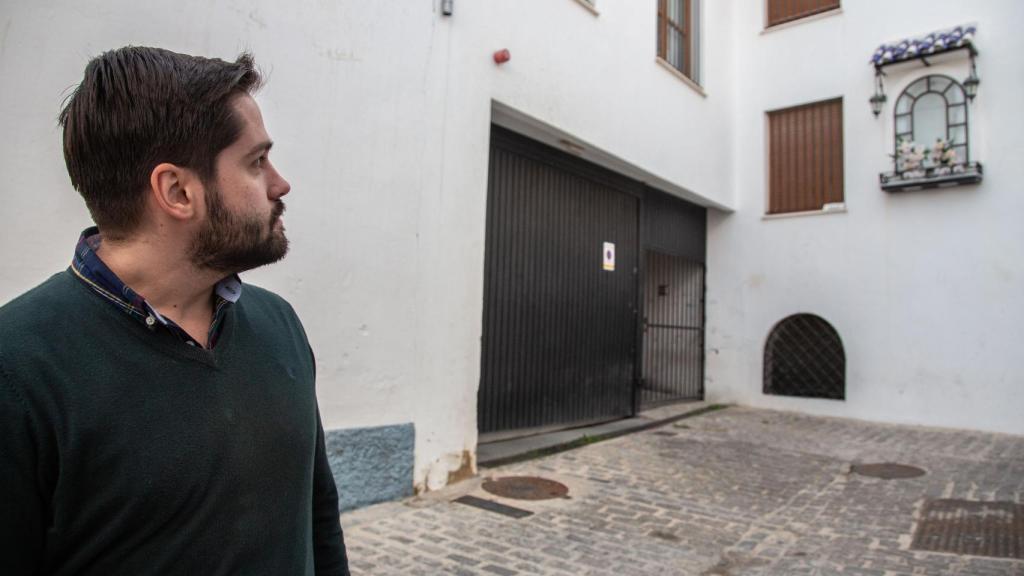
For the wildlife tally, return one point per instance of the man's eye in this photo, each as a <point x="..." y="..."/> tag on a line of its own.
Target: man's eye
<point x="259" y="161"/>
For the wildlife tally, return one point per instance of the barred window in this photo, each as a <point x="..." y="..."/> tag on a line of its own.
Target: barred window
<point x="804" y="357"/>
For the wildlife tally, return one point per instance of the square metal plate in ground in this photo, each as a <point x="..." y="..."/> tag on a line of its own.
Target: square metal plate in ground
<point x="994" y="529"/>
<point x="492" y="506"/>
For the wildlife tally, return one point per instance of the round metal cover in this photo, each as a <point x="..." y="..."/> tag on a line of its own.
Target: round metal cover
<point x="525" y="488"/>
<point x="887" y="471"/>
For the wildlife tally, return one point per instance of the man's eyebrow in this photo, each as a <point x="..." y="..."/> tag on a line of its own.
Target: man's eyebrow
<point x="261" y="147"/>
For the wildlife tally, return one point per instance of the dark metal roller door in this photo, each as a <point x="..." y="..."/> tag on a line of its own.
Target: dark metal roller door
<point x="560" y="332"/>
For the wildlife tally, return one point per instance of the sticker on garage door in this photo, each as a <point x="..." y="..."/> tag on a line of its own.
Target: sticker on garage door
<point x="609" y="256"/>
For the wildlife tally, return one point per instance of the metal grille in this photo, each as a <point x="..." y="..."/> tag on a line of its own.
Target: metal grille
<point x="993" y="529"/>
<point x="560" y="331"/>
<point x="492" y="506"/>
<point x="804" y="357"/>
<point x="673" y="362"/>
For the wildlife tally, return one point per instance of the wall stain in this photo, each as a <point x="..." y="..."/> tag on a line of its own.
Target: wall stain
<point x="3" y="39"/>
<point x="1001" y="273"/>
<point x="466" y="469"/>
<point x="252" y="16"/>
<point x="338" y="55"/>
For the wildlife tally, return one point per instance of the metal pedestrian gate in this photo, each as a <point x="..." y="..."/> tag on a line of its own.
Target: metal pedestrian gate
<point x="673" y="339"/>
<point x="674" y="234"/>
<point x="560" y="290"/>
<point x="567" y="338"/>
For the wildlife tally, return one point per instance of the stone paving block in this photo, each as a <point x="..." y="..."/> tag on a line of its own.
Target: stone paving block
<point x="737" y="492"/>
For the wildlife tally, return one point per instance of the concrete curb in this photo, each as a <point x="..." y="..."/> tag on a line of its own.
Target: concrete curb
<point x="528" y="448"/>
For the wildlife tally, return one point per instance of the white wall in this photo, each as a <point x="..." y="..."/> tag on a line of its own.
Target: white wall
<point x="924" y="287"/>
<point x="381" y="112"/>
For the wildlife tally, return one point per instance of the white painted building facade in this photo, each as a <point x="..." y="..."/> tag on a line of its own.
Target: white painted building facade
<point x="382" y="114"/>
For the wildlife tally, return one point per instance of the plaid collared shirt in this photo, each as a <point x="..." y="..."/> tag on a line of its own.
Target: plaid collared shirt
<point x="88" y="267"/>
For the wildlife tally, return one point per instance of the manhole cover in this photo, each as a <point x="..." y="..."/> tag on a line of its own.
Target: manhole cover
<point x="972" y="528"/>
<point x="887" y="471"/>
<point x="525" y="488"/>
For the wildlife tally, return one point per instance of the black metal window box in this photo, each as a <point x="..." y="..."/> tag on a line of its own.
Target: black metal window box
<point x="934" y="177"/>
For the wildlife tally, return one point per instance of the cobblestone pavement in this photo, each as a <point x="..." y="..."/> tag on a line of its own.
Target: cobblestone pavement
<point x="733" y="492"/>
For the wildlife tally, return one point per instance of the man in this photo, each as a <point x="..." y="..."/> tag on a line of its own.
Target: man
<point x="157" y="416"/>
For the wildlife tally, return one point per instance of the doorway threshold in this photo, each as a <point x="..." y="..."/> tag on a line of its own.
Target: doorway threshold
<point x="530" y="447"/>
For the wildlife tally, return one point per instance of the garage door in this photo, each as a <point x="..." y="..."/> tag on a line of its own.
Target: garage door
<point x="560" y="326"/>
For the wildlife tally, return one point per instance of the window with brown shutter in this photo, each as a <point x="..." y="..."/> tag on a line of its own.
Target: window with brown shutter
<point x="805" y="157"/>
<point x="780" y="11"/>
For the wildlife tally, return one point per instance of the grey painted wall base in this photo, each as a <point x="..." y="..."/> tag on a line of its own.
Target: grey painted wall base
<point x="371" y="465"/>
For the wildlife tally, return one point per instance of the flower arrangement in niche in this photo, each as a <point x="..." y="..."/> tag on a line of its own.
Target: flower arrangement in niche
<point x="910" y="159"/>
<point x="914" y="160"/>
<point x="943" y="157"/>
<point x="917" y="166"/>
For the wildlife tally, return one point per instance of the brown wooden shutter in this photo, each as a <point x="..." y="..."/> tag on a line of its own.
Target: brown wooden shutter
<point x="805" y="157"/>
<point x="780" y="11"/>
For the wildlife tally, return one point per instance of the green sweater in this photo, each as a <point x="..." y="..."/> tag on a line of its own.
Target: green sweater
<point x="125" y="451"/>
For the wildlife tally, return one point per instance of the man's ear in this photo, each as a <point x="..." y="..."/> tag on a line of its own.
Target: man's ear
<point x="176" y="191"/>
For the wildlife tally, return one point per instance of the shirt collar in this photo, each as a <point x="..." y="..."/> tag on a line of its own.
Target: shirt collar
<point x="88" y="266"/>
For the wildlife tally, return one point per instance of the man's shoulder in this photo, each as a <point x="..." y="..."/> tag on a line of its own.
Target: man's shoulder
<point x="262" y="303"/>
<point x="44" y="319"/>
<point x="257" y="296"/>
<point x="270" y="315"/>
<point x="33" y="307"/>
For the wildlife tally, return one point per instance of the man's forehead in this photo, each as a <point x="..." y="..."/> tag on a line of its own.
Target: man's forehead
<point x="253" y="133"/>
<point x="246" y="105"/>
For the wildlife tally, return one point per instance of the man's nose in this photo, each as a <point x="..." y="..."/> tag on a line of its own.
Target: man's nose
<point x="279" y="186"/>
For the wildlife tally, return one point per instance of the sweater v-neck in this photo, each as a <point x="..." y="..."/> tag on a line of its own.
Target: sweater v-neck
<point x="160" y="339"/>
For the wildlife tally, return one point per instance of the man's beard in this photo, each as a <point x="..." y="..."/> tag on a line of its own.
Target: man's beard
<point x="232" y="243"/>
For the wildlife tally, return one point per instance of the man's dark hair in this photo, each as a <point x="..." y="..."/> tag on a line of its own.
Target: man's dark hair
<point x="138" y="107"/>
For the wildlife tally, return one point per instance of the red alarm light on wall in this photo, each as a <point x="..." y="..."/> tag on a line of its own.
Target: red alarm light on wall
<point x="502" y="56"/>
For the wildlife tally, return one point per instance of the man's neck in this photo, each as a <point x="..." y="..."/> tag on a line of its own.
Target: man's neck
<point x="168" y="281"/>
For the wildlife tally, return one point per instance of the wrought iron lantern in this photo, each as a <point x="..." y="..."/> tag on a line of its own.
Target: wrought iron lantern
<point x="878" y="99"/>
<point x="972" y="81"/>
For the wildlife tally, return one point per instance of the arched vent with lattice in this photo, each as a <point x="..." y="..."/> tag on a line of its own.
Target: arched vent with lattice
<point x="804" y="357"/>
